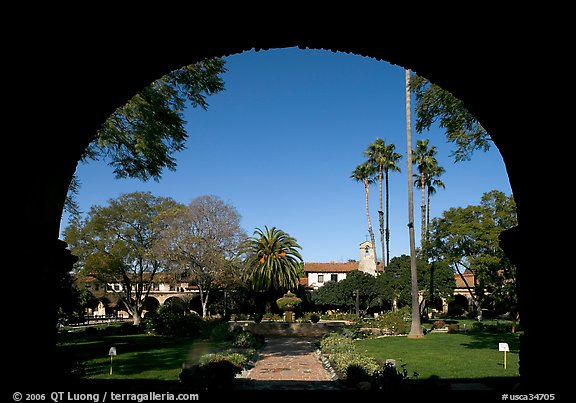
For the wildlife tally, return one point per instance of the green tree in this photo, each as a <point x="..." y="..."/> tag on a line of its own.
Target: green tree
<point x="415" y="325"/>
<point x="201" y="243"/>
<point x="363" y="285"/>
<point x="140" y="138"/>
<point x="365" y="173"/>
<point x="330" y="295"/>
<point x="433" y="104"/>
<point x="384" y="160"/>
<point x="435" y="280"/>
<point x="273" y="260"/>
<point x="114" y="245"/>
<point x="468" y="239"/>
<point x="343" y="293"/>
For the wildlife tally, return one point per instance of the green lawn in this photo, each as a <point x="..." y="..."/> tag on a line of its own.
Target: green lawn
<point x="449" y="355"/>
<point x="139" y="356"/>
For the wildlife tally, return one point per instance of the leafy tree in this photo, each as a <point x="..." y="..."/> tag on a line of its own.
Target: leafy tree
<point x="343" y="293"/>
<point x="435" y="280"/>
<point x="330" y="295"/>
<point x="273" y="260"/>
<point x="114" y="245"/>
<point x="415" y="325"/>
<point x="365" y="173"/>
<point x="140" y="138"/>
<point x="468" y="239"/>
<point x="433" y="104"/>
<point x="384" y="160"/>
<point x="201" y="243"/>
<point x="365" y="285"/>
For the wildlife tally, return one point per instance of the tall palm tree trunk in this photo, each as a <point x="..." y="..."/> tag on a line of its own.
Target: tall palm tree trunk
<point x="428" y="213"/>
<point x="423" y="211"/>
<point x="416" y="326"/>
<point x="366" y="187"/>
<point x="387" y="221"/>
<point x="381" y="219"/>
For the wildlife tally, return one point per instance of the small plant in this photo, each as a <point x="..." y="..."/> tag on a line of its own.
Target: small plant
<point x="453" y="328"/>
<point x="439" y="324"/>
<point x="314" y="318"/>
<point x="248" y="340"/>
<point x="257" y="317"/>
<point x="288" y="302"/>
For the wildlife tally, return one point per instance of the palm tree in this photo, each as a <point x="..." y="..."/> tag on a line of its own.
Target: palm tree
<point x="425" y="160"/>
<point x="384" y="159"/>
<point x="415" y="326"/>
<point x="365" y="173"/>
<point x="273" y="260"/>
<point x="375" y="154"/>
<point x="431" y="180"/>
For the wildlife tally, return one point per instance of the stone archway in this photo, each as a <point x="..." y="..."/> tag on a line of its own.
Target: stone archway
<point x="86" y="84"/>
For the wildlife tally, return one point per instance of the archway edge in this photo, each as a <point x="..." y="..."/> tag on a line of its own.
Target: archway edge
<point x="85" y="84"/>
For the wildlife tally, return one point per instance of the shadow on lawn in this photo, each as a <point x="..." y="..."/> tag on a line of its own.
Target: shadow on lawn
<point x="484" y="340"/>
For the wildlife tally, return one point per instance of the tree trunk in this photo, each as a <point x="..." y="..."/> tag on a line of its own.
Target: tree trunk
<point x="381" y="219"/>
<point x="423" y="211"/>
<point x="366" y="187"/>
<point x="204" y="295"/>
<point x="387" y="222"/>
<point x="416" y="326"/>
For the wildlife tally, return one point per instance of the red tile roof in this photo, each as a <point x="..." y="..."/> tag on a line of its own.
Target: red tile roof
<point x="332" y="267"/>
<point x="468" y="275"/>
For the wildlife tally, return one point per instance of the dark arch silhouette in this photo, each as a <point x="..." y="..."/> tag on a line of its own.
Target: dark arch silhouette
<point x="74" y="88"/>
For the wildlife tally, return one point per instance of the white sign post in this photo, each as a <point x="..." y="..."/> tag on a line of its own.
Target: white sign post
<point x="111" y="353"/>
<point x="504" y="347"/>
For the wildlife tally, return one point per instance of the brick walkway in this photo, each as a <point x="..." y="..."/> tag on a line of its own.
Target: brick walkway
<point x="288" y="363"/>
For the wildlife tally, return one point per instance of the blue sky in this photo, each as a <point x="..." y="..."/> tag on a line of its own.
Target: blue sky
<point x="281" y="142"/>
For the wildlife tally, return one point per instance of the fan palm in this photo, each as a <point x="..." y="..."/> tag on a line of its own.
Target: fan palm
<point x="365" y="173"/>
<point x="424" y="158"/>
<point x="384" y="159"/>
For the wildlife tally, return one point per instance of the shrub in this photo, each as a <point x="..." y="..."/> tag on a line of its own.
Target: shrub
<point x="438" y="324"/>
<point x="171" y="320"/>
<point x="221" y="332"/>
<point x="215" y="373"/>
<point x="257" y="317"/>
<point x="360" y="365"/>
<point x="129" y="328"/>
<point x="334" y="343"/>
<point x="394" y="322"/>
<point x="314" y="318"/>
<point x="237" y="359"/>
<point x="271" y="317"/>
<point x="453" y="328"/>
<point x="248" y="340"/>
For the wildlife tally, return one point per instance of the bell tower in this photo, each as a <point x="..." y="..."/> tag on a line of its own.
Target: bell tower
<point x="367" y="263"/>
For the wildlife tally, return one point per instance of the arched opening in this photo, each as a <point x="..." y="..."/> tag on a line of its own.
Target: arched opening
<point x="177" y="302"/>
<point x="459" y="306"/>
<point x="151" y="304"/>
<point x="476" y="85"/>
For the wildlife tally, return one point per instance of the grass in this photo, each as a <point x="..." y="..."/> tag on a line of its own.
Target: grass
<point x="449" y="355"/>
<point x="140" y="356"/>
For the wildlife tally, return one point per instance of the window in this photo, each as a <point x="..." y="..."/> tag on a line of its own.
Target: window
<point x="320" y="278"/>
<point x="117" y="287"/>
<point x="366" y="250"/>
<point x="333" y="277"/>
